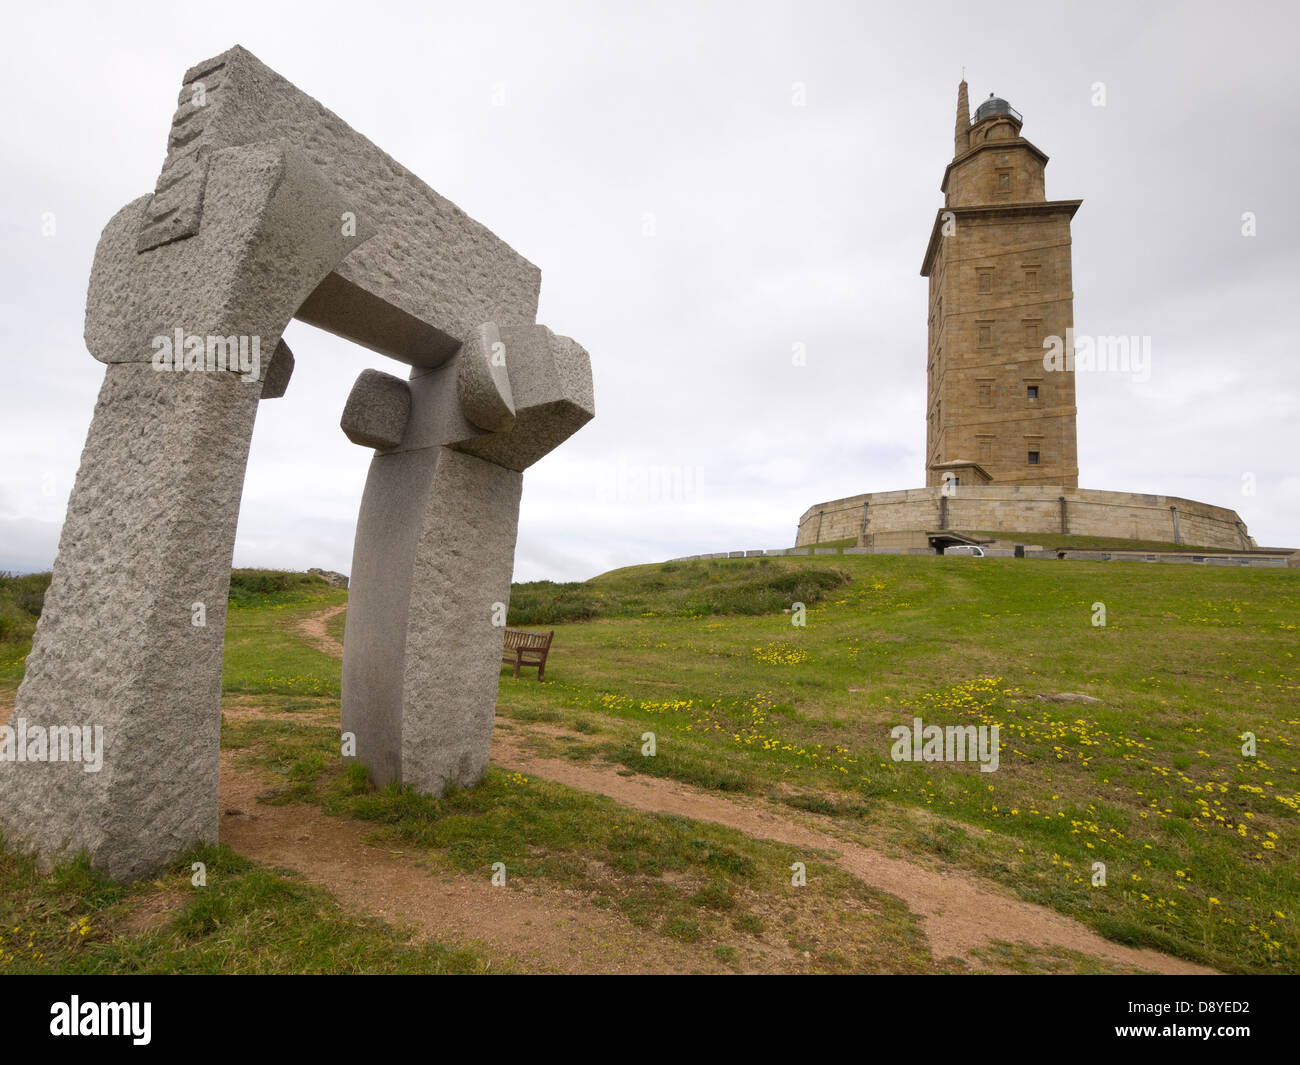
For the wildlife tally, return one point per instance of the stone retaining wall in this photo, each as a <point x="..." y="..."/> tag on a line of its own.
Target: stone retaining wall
<point x="1280" y="560"/>
<point x="1026" y="509"/>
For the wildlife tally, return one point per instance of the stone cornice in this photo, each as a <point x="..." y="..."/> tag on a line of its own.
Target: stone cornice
<point x="1069" y="207"/>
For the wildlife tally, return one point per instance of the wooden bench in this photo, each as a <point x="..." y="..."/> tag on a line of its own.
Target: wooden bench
<point x="525" y="648"/>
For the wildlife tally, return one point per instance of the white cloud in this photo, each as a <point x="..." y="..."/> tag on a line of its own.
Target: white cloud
<point x="775" y="225"/>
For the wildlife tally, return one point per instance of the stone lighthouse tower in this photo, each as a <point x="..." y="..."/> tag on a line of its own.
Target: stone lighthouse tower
<point x="1000" y="282"/>
<point x="999" y="423"/>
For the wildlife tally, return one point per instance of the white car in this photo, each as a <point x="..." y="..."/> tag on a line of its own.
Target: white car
<point x="965" y="549"/>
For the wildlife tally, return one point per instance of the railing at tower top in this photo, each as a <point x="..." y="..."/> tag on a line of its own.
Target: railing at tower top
<point x="1004" y="110"/>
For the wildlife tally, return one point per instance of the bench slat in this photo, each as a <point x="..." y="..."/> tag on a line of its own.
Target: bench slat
<point x="524" y="648"/>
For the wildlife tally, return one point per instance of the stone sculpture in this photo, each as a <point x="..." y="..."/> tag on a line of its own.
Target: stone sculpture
<point x="269" y="207"/>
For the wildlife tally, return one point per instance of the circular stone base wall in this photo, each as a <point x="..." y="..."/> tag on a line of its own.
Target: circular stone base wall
<point x="1026" y="509"/>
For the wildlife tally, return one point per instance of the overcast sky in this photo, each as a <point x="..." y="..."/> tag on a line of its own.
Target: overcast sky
<point x="693" y="223"/>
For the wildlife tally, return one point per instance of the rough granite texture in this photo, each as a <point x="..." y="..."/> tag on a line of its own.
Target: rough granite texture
<point x="550" y="379"/>
<point x="150" y="526"/>
<point x="275" y="382"/>
<point x="463" y="564"/>
<point x="483" y="381"/>
<point x="434" y="553"/>
<point x="419" y="288"/>
<point x="394" y="507"/>
<point x="377" y="410"/>
<point x="269" y="207"/>
<point x="150" y="531"/>
<point x="266" y="243"/>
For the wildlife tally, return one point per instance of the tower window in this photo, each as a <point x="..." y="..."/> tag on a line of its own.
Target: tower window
<point x="985" y="334"/>
<point x="1033" y="458"/>
<point x="985" y="281"/>
<point x="1031" y="280"/>
<point x="1032" y="333"/>
<point x="1031" y="392"/>
<point x="985" y="392"/>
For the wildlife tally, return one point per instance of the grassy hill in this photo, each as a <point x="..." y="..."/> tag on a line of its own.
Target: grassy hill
<point x="1199" y="841"/>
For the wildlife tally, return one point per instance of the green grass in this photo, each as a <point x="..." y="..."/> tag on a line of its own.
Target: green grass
<point x="677" y="589"/>
<point x="334" y="627"/>
<point x="262" y="655"/>
<point x="1025" y="959"/>
<point x="265" y="654"/>
<point x="21" y="599"/>
<point x="1200" y="842"/>
<point x="265" y="587"/>
<point x="683" y="880"/>
<point x="247" y="919"/>
<point x="1071" y="542"/>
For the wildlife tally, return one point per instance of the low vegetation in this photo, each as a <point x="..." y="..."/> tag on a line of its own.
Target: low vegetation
<point x="1198" y="838"/>
<point x="21" y="600"/>
<point x="246" y="919"/>
<point x="745" y="587"/>
<point x="675" y="878"/>
<point x="262" y="587"/>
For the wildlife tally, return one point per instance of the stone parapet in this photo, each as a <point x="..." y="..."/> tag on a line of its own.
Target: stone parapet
<point x="891" y="516"/>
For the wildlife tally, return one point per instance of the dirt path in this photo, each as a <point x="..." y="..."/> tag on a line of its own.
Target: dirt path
<point x="541" y="929"/>
<point x="548" y="929"/>
<point x="314" y="629"/>
<point x="958" y="913"/>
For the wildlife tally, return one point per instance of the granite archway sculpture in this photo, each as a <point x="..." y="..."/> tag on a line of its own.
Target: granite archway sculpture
<point x="268" y="208"/>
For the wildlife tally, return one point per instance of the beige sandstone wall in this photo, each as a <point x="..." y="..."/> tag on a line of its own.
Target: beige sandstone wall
<point x="1025" y="509"/>
<point x="999" y="267"/>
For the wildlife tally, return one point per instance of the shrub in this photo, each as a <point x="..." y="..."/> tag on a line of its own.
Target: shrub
<point x="546" y="603"/>
<point x="751" y="586"/>
<point x="12" y="622"/>
<point x="261" y="587"/>
<point x="21" y="600"/>
<point x="767" y="594"/>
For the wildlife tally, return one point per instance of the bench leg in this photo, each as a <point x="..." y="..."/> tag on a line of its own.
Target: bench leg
<point x="516" y="663"/>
